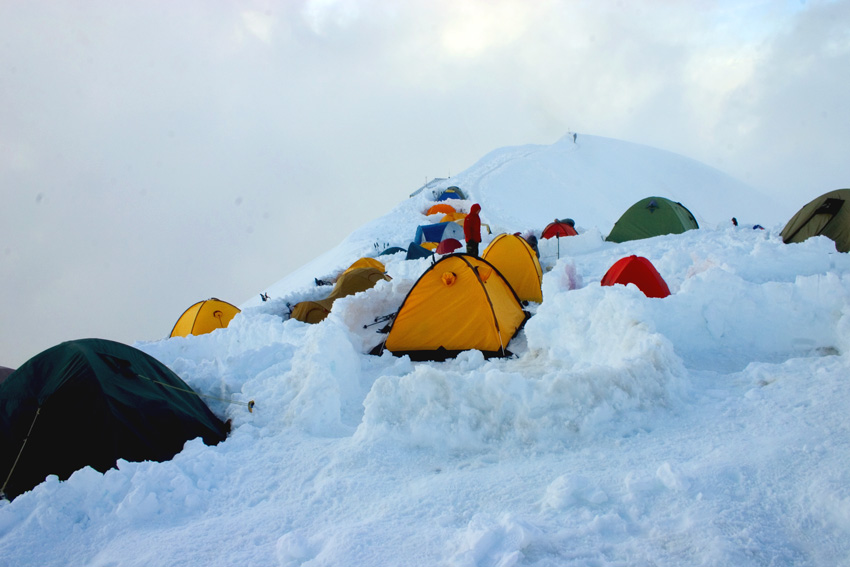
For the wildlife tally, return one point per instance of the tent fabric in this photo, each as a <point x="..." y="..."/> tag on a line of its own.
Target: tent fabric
<point x="4" y="373"/>
<point x="456" y="190"/>
<point x="453" y="217"/>
<point x="448" y="194"/>
<point x="204" y="317"/>
<point x="558" y="229"/>
<point x="459" y="303"/>
<point x="415" y="252"/>
<point x="350" y="282"/>
<point x="438" y="232"/>
<point x="448" y="246"/>
<point x="91" y="402"/>
<point x="639" y="271"/>
<point x="828" y="215"/>
<point x="650" y="217"/>
<point x="441" y="208"/>
<point x="367" y="263"/>
<point x="310" y="311"/>
<point x="518" y="263"/>
<point x="392" y="250"/>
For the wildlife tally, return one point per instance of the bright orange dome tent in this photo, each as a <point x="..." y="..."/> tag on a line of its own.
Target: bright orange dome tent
<point x="204" y="317"/>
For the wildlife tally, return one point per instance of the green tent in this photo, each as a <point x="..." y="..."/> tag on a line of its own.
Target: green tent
<point x="650" y="217"/>
<point x="828" y="215"/>
<point x="89" y="403"/>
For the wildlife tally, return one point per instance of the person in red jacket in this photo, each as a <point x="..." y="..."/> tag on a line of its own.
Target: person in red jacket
<point x="472" y="230"/>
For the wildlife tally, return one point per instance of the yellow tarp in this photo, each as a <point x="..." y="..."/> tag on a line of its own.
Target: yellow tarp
<point x="204" y="317"/>
<point x="514" y="257"/>
<point x="459" y="303"/>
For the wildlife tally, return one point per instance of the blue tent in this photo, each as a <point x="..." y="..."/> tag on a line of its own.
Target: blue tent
<point x="438" y="232"/>
<point x="414" y="252"/>
<point x="446" y="195"/>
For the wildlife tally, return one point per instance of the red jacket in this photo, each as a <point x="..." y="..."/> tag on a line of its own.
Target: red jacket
<point x="472" y="224"/>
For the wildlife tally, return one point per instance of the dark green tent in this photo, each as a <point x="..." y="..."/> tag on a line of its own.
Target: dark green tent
<point x="88" y="403"/>
<point x="828" y="215"/>
<point x="650" y="217"/>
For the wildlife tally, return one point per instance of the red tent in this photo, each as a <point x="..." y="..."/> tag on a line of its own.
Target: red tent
<point x="448" y="246"/>
<point x="558" y="228"/>
<point x="639" y="271"/>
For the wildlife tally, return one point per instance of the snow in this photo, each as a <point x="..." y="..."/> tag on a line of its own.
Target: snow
<point x="705" y="428"/>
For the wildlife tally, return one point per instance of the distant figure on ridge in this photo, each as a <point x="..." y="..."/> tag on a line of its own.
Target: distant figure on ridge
<point x="472" y="230"/>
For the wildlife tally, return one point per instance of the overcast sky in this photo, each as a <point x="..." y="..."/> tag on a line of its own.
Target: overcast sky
<point x="157" y="153"/>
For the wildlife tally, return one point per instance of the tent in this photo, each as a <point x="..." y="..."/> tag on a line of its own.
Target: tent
<point x="91" y="402"/>
<point x="448" y="246"/>
<point x="452" y="192"/>
<point x="441" y="208"/>
<point x="4" y="373"/>
<point x="204" y="317"/>
<point x="518" y="263"/>
<point x="650" y="217"/>
<point x="460" y="303"/>
<point x="414" y="252"/>
<point x="558" y="228"/>
<point x="392" y="250"/>
<point x="456" y="190"/>
<point x="454" y="217"/>
<point x="438" y="232"/>
<point x="639" y="271"/>
<point x="350" y="282"/>
<point x="828" y="215"/>
<point x="366" y="263"/>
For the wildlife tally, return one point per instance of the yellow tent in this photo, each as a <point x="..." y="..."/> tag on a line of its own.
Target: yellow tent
<point x="352" y="281"/>
<point x="518" y="263"/>
<point x="204" y="317"/>
<point x="366" y="263"/>
<point x="454" y="217"/>
<point x="459" y="303"/>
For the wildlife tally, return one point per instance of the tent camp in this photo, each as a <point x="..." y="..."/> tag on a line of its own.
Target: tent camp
<point x="350" y="282"/>
<point x="639" y="271"/>
<point x="460" y="303"/>
<point x="828" y="215"/>
<point x="650" y="217"/>
<point x="89" y="403"/>
<point x="204" y="317"/>
<point x="518" y="263"/>
<point x="557" y="229"/>
<point x="436" y="233"/>
<point x="441" y="208"/>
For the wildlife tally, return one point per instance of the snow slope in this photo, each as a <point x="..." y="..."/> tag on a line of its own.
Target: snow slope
<point x="704" y="428"/>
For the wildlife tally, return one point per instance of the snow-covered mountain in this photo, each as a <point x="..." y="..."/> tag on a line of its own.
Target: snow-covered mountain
<point x="707" y="427"/>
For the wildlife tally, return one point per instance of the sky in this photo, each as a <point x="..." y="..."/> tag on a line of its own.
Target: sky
<point x="155" y="154"/>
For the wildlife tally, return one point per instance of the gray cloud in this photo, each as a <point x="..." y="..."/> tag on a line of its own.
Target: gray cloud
<point x="156" y="154"/>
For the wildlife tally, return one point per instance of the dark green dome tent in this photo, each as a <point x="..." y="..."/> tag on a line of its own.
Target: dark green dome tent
<point x="91" y="402"/>
<point x="650" y="217"/>
<point x="828" y="215"/>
